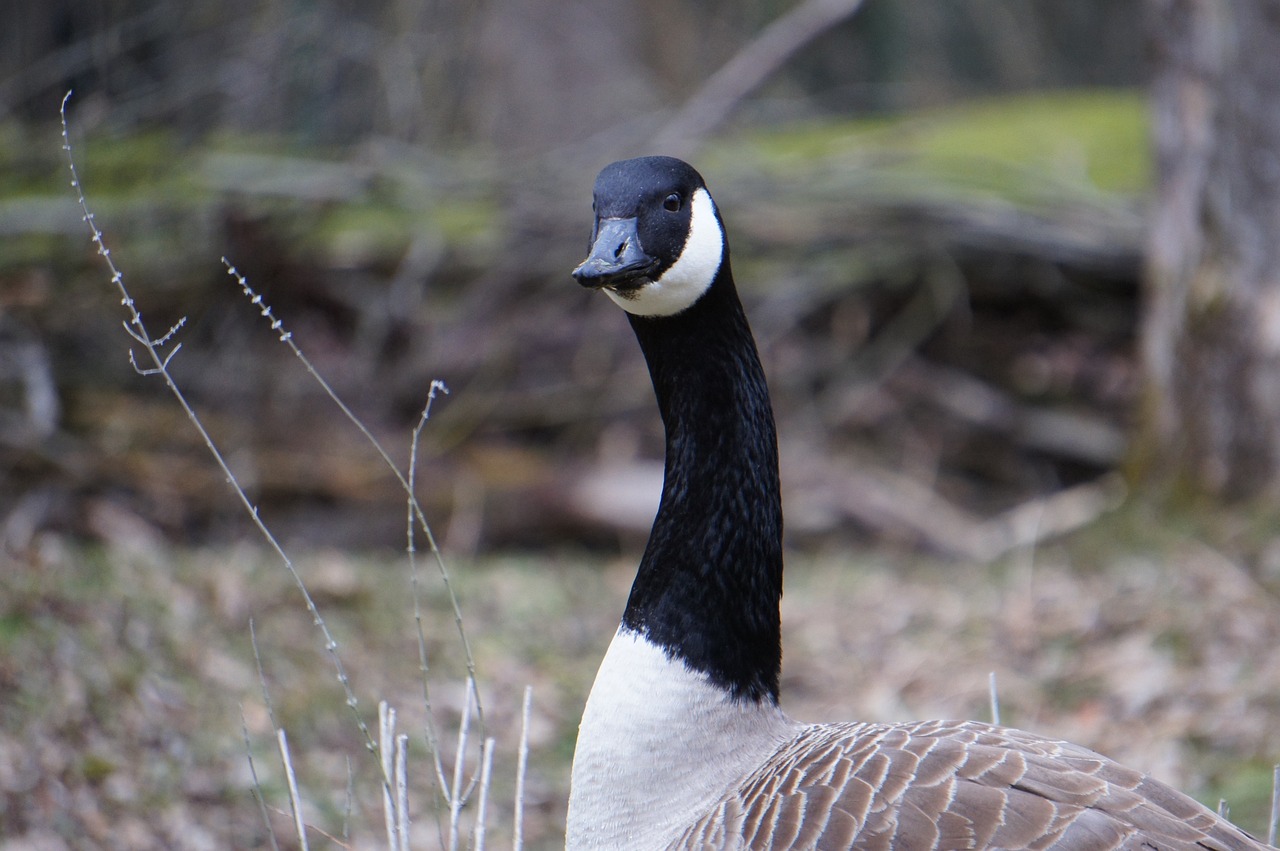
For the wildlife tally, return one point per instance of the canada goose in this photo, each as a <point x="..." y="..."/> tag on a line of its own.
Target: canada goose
<point x="682" y="743"/>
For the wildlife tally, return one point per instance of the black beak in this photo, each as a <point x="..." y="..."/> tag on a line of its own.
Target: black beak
<point x="616" y="258"/>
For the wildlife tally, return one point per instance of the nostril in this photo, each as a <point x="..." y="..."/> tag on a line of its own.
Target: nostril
<point x="621" y="249"/>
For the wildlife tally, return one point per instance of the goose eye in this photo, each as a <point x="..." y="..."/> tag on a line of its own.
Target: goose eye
<point x="672" y="203"/>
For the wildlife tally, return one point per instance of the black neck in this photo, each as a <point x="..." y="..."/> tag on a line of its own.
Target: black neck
<point x="709" y="583"/>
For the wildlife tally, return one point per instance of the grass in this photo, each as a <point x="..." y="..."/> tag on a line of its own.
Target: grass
<point x="132" y="690"/>
<point x="125" y="667"/>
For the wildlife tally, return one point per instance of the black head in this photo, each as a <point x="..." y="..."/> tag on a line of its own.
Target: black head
<point x="658" y="243"/>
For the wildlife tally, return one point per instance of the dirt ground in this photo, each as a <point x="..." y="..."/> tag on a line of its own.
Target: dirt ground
<point x="129" y="688"/>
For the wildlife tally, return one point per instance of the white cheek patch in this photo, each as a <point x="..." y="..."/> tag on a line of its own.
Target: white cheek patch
<point x="692" y="273"/>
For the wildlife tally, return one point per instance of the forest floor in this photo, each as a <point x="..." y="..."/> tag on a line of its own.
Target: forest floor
<point x="131" y="702"/>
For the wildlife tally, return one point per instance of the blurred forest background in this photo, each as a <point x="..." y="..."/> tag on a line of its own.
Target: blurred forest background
<point x="407" y="184"/>
<point x="937" y="212"/>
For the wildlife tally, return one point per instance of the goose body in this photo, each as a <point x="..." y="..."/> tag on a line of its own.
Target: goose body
<point x="682" y="743"/>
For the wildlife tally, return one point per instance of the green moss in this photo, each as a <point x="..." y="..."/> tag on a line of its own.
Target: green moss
<point x="466" y="221"/>
<point x="372" y="231"/>
<point x="125" y="163"/>
<point x="819" y="140"/>
<point x="13" y="627"/>
<point x="96" y="768"/>
<point x="1020" y="147"/>
<point x="31" y="250"/>
<point x="1094" y="138"/>
<point x="360" y="233"/>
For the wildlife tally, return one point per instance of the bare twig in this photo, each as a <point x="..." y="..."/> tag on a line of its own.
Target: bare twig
<point x="386" y="737"/>
<point x="995" y="698"/>
<point x="295" y="800"/>
<point x="262" y="676"/>
<point x="482" y="807"/>
<point x="257" y="784"/>
<point x="348" y="805"/>
<point x="402" y="791"/>
<point x="747" y="70"/>
<point x="888" y="499"/>
<point x="456" y="795"/>
<point x="395" y="799"/>
<point x="1076" y="435"/>
<point x="152" y="346"/>
<point x="522" y="765"/>
<point x="286" y="337"/>
<point x="271" y="716"/>
<point x="433" y="741"/>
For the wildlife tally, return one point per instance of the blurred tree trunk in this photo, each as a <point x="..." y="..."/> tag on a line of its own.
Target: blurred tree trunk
<point x="1210" y="422"/>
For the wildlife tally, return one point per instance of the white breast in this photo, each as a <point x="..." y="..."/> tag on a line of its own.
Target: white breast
<point x="659" y="744"/>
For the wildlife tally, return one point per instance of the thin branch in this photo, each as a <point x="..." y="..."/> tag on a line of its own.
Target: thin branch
<point x="137" y="330"/>
<point x="433" y="741"/>
<point x="482" y="807"/>
<point x="747" y="70"/>
<point x="402" y="791"/>
<point x="257" y="783"/>
<point x="522" y="766"/>
<point x="286" y="337"/>
<point x="348" y="805"/>
<point x="171" y="332"/>
<point x="386" y="738"/>
<point x="150" y="370"/>
<point x="295" y="800"/>
<point x="456" y="795"/>
<point x="262" y="676"/>
<point x="394" y="752"/>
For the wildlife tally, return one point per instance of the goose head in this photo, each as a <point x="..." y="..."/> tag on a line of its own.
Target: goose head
<point x="658" y="243"/>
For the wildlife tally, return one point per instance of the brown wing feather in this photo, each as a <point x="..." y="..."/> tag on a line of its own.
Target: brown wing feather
<point x="953" y="786"/>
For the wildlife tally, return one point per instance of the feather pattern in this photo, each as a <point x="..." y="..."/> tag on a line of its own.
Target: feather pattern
<point x="948" y="786"/>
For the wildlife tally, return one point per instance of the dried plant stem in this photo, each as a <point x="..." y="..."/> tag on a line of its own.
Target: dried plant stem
<point x="262" y="676"/>
<point x="452" y="794"/>
<point x="257" y="784"/>
<point x="348" y="805"/>
<point x="286" y="337"/>
<point x="392" y="749"/>
<point x="394" y="752"/>
<point x="522" y="766"/>
<point x="402" y="791"/>
<point x="295" y="800"/>
<point x="386" y="735"/>
<point x="482" y="807"/>
<point x="433" y="740"/>
<point x="153" y="346"/>
<point x="994" y="694"/>
<point x="456" y="796"/>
